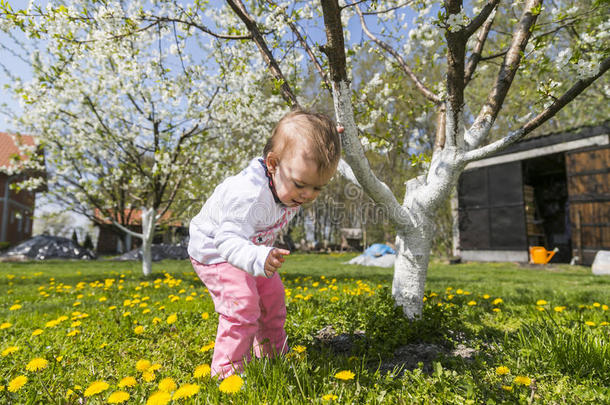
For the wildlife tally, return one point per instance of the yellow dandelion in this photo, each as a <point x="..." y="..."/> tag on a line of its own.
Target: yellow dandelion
<point x="507" y="388"/>
<point x="159" y="398"/>
<point x="148" y="376"/>
<point x="205" y="316"/>
<point x="118" y="397"/>
<point x="603" y="323"/>
<point x="59" y="358"/>
<point x="299" y="349"/>
<point x="171" y="319"/>
<point x="10" y="350"/>
<point x="589" y="323"/>
<point x="73" y="333"/>
<point x="143" y="365"/>
<point x="540" y="309"/>
<point x="329" y="397"/>
<point x="345" y="375"/>
<point x="231" y="384"/>
<point x="167" y="385"/>
<point x="96" y="387"/>
<point x="596" y="304"/>
<point x="202" y="371"/>
<point x="37" y="364"/>
<point x="497" y="301"/>
<point x="541" y="302"/>
<point x="502" y="370"/>
<point x="186" y="391"/>
<point x="51" y="324"/>
<point x="523" y="380"/>
<point x="156" y="320"/>
<point x="127" y="382"/>
<point x="15" y="307"/>
<point x="37" y="332"/>
<point x="5" y="325"/>
<point x="138" y="330"/>
<point x="496" y="309"/>
<point x="16" y="383"/>
<point x="208" y="347"/>
<point x="154" y="367"/>
<point x="605" y="307"/>
<point x="559" y="308"/>
<point x="472" y="303"/>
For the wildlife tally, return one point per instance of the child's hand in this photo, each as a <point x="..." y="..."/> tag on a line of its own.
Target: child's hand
<point x="274" y="261"/>
<point x="340" y="129"/>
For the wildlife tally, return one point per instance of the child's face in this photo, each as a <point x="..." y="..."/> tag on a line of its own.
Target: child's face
<point x="297" y="179"/>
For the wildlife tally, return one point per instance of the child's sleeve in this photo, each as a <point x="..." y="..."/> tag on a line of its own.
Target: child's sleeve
<point x="232" y="241"/>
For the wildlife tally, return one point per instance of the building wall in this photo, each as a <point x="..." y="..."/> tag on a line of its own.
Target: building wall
<point x="16" y="212"/>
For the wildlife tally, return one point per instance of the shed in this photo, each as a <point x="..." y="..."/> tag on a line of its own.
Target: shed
<point x="551" y="190"/>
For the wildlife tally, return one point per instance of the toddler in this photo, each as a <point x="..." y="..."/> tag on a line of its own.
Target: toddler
<point x="231" y="238"/>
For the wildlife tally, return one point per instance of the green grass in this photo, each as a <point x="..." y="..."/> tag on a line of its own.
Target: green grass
<point x="490" y="308"/>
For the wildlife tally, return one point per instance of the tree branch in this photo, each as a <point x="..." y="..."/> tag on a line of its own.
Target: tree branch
<point x="482" y="124"/>
<point x="240" y="10"/>
<point x="401" y="62"/>
<point x="354" y="153"/>
<point x="473" y="61"/>
<point x="456" y="56"/>
<point x="387" y="10"/>
<point x="305" y="45"/>
<point x="481" y="18"/>
<point x="200" y="27"/>
<point x="538" y="120"/>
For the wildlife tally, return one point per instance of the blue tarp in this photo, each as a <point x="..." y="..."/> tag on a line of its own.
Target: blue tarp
<point x="378" y="249"/>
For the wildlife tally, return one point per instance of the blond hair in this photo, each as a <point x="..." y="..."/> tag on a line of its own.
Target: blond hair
<point x="318" y="130"/>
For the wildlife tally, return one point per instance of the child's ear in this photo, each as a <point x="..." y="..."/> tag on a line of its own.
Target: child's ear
<point x="272" y="162"/>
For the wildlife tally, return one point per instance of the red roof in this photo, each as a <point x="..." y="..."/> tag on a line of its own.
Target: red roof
<point x="8" y="147"/>
<point x="136" y="218"/>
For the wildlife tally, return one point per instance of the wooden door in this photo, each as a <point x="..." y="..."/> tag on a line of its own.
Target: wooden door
<point x="588" y="174"/>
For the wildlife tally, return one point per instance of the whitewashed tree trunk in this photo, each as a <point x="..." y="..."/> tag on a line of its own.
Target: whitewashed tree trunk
<point x="410" y="268"/>
<point x="424" y="195"/>
<point x="149" y="219"/>
<point x="148" y="230"/>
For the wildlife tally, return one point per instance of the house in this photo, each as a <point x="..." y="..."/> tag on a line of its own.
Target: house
<point x="112" y="240"/>
<point x="16" y="207"/>
<point x="551" y="190"/>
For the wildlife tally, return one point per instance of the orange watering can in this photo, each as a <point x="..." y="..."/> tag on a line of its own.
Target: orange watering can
<point x="540" y="255"/>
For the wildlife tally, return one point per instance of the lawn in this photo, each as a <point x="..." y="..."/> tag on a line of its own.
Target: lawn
<point x="98" y="332"/>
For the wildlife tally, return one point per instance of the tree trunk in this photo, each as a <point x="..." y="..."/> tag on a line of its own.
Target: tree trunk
<point x="148" y="230"/>
<point x="410" y="269"/>
<point x="424" y="196"/>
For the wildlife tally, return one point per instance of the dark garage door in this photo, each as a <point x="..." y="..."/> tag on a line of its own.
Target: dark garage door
<point x="491" y="214"/>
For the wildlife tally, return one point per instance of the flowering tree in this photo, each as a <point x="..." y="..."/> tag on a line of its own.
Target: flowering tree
<point x="129" y="121"/>
<point x="533" y="44"/>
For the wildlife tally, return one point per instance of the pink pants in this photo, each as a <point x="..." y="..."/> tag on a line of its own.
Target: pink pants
<point x="252" y="313"/>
